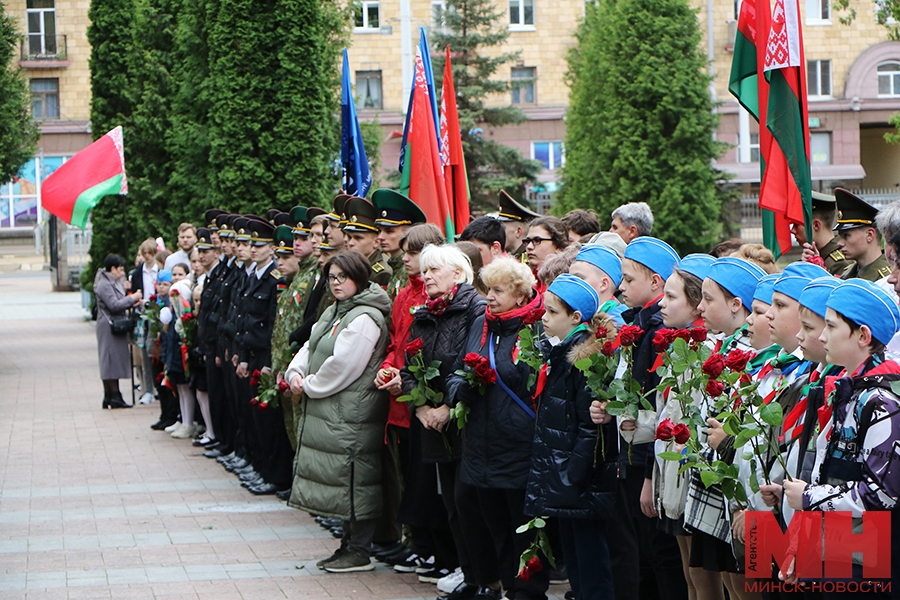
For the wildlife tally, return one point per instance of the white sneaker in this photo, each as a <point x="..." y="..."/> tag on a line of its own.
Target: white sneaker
<point x="185" y="433"/>
<point x="146" y="398"/>
<point x="172" y="427"/>
<point x="450" y="582"/>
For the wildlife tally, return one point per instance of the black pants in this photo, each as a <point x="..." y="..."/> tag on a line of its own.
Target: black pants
<point x="272" y="455"/>
<point x="484" y="568"/>
<point x="448" y="478"/>
<point x="587" y="558"/>
<point x="395" y="460"/>
<point x="168" y="400"/>
<point x="504" y="511"/>
<point x="215" y="387"/>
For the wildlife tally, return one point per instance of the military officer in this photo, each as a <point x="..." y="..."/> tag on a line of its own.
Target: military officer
<point x="361" y="234"/>
<point x="824" y="242"/>
<point x="515" y="218"/>
<point x="211" y="217"/>
<point x="396" y="214"/>
<point x="335" y="221"/>
<point x="859" y="238"/>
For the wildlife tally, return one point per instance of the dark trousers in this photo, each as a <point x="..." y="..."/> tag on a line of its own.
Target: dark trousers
<point x="448" y="478"/>
<point x="215" y="387"/>
<point x="272" y="457"/>
<point x="168" y="400"/>
<point x="587" y="558"/>
<point x="358" y="534"/>
<point x="503" y="512"/>
<point x="394" y="459"/>
<point x="480" y="548"/>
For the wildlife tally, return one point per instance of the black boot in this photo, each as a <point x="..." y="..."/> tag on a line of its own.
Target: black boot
<point x="117" y="401"/>
<point x="106" y="400"/>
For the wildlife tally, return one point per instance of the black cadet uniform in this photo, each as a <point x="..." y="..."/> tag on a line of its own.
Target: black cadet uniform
<point x="510" y="210"/>
<point x="855" y="212"/>
<point x="360" y="215"/>
<point x="207" y="328"/>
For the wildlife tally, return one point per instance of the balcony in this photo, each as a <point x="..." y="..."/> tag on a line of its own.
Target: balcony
<point x="43" y="51"/>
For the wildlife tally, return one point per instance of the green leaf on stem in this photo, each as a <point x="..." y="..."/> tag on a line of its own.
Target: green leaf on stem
<point x="772" y="414"/>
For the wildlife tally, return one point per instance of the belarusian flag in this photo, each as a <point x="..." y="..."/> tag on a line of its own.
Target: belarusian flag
<point x="787" y="182"/>
<point x="452" y="152"/>
<point x="744" y="81"/>
<point x="74" y="189"/>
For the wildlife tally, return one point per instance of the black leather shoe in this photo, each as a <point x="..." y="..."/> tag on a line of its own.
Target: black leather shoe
<point x="248" y="475"/>
<point x="248" y="468"/>
<point x="385" y="548"/>
<point x="463" y="591"/>
<point x="263" y="489"/>
<point x="116" y="401"/>
<point x="226" y="458"/>
<point x="252" y="482"/>
<point x="283" y="495"/>
<point x="238" y="463"/>
<point x="212" y="453"/>
<point x="486" y="593"/>
<point x="337" y="532"/>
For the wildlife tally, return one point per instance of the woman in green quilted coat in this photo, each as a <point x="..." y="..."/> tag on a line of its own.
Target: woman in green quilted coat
<point x="337" y="468"/>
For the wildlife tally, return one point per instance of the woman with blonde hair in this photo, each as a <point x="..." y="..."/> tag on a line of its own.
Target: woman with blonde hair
<point x="759" y="255"/>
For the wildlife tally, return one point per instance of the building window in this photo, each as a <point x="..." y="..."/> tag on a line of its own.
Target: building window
<point x="523" y="92"/>
<point x="368" y="89"/>
<point x="818" y="12"/>
<point x="367" y="16"/>
<point x="438" y="9"/>
<point x="521" y="13"/>
<point x="45" y="98"/>
<point x="550" y="154"/>
<point x="41" y="17"/>
<point x="889" y="80"/>
<point x="820" y="148"/>
<point x="818" y="77"/>
<point x="754" y="147"/>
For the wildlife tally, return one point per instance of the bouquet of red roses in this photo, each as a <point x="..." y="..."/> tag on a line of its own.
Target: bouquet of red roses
<point x="423" y="392"/>
<point x="478" y="375"/>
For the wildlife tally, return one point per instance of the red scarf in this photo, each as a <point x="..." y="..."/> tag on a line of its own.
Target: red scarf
<point x="529" y="314"/>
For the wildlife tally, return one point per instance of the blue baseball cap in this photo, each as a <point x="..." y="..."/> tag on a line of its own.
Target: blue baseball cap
<point x="576" y="292"/>
<point x="604" y="259"/>
<point x="738" y="276"/>
<point x="815" y="295"/>
<point x="797" y="276"/>
<point x="865" y="303"/>
<point x="654" y="254"/>
<point x="164" y="275"/>
<point x="765" y="287"/>
<point x="696" y="264"/>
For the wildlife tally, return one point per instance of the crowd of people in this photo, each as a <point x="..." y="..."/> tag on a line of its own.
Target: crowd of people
<point x="521" y="407"/>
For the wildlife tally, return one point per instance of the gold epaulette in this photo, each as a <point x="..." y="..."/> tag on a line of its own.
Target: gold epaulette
<point x="837" y="256"/>
<point x="378" y="267"/>
<point x="884" y="271"/>
<point x="275" y="273"/>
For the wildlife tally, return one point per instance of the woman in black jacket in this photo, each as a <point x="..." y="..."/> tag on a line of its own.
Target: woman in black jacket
<point x="441" y="325"/>
<point x="498" y="435"/>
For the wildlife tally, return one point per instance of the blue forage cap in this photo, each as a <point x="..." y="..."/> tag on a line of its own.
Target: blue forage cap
<point x="865" y="303"/>
<point x="815" y="295"/>
<point x="797" y="276"/>
<point x="738" y="276"/>
<point x="604" y="259"/>
<point x="696" y="265"/>
<point x="765" y="287"/>
<point x="164" y="275"/>
<point x="654" y="254"/>
<point x="575" y="292"/>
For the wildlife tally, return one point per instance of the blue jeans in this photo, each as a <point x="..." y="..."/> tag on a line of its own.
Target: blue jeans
<point x="587" y="558"/>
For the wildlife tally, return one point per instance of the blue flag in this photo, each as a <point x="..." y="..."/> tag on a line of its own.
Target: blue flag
<point x="357" y="179"/>
<point x="429" y="80"/>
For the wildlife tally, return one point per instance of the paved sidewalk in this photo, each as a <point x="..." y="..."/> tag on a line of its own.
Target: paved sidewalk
<point x="94" y="504"/>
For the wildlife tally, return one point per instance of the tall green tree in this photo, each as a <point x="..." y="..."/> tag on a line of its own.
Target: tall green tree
<point x="473" y="28"/>
<point x="640" y="122"/>
<point x="18" y="132"/>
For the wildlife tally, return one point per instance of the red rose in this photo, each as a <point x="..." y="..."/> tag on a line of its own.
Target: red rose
<point x="737" y="360"/>
<point x="714" y="365"/>
<point x="601" y="333"/>
<point x="698" y="334"/>
<point x="664" y="430"/>
<point x="681" y="433"/>
<point x="608" y="349"/>
<point x="254" y="401"/>
<point x="254" y="381"/>
<point x="160" y="377"/>
<point x="532" y="317"/>
<point x="152" y="298"/>
<point x="471" y="359"/>
<point x="256" y="373"/>
<point x="663" y="339"/>
<point x="714" y="388"/>
<point x="525" y="574"/>
<point x="263" y="405"/>
<point x="414" y="347"/>
<point x="490" y="377"/>
<point x="283" y="387"/>
<point x="534" y="565"/>
<point x="684" y="334"/>
<point x="629" y="334"/>
<point x="816" y="260"/>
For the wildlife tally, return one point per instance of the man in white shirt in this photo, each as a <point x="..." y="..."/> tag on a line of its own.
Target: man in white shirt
<point x="187" y="237"/>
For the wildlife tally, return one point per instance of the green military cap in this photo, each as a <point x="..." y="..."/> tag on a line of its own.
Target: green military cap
<point x="223" y="222"/>
<point x="853" y="211"/>
<point x="823" y="202"/>
<point x="361" y="215"/>
<point x="211" y="217"/>
<point x="396" y="209"/>
<point x="241" y="227"/>
<point x="337" y="209"/>
<point x="510" y="210"/>
<point x="312" y="212"/>
<point x="301" y="221"/>
<point x="284" y="240"/>
<point x="204" y="239"/>
<point x="262" y="232"/>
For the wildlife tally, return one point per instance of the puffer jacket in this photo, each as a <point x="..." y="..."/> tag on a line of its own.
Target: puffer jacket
<point x="499" y="433"/>
<point x="337" y="468"/>
<point x="443" y="337"/>
<point x="569" y="475"/>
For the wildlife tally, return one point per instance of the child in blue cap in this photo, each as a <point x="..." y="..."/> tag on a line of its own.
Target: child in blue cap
<point x="569" y="477"/>
<point x="856" y="467"/>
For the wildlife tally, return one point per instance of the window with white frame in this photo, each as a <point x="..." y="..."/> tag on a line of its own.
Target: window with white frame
<point x="41" y="20"/>
<point x="820" y="148"/>
<point x="889" y="80"/>
<point x="521" y="14"/>
<point x="818" y="78"/>
<point x="523" y="92"/>
<point x="368" y="89"/>
<point x="754" y="147"/>
<point x="550" y="154"/>
<point x="438" y="9"/>
<point x="367" y="15"/>
<point x="818" y="12"/>
<point x="44" y="98"/>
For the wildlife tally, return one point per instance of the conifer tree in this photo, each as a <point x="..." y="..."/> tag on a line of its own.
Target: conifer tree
<point x="472" y="29"/>
<point x="18" y="132"/>
<point x="640" y="120"/>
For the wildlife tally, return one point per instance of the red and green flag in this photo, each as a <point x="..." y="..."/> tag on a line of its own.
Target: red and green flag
<point x="452" y="158"/>
<point x="75" y="188"/>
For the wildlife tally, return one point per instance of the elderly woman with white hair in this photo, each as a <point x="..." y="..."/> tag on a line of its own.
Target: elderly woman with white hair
<point x="440" y="327"/>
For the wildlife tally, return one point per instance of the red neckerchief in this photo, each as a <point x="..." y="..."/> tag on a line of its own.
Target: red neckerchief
<point x="530" y="313"/>
<point x="438" y="305"/>
<point x="825" y="411"/>
<point x="654" y="301"/>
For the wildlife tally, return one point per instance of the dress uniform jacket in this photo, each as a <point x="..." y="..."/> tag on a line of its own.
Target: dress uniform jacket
<point x="399" y="277"/>
<point x="878" y="269"/>
<point x="835" y="261"/>
<point x="381" y="270"/>
<point x="207" y="317"/>
<point x="256" y="319"/>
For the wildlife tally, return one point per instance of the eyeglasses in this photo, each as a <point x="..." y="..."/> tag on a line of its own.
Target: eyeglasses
<point x="339" y="278"/>
<point x="537" y="241"/>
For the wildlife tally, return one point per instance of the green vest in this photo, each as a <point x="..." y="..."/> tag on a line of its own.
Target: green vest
<point x="340" y="438"/>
